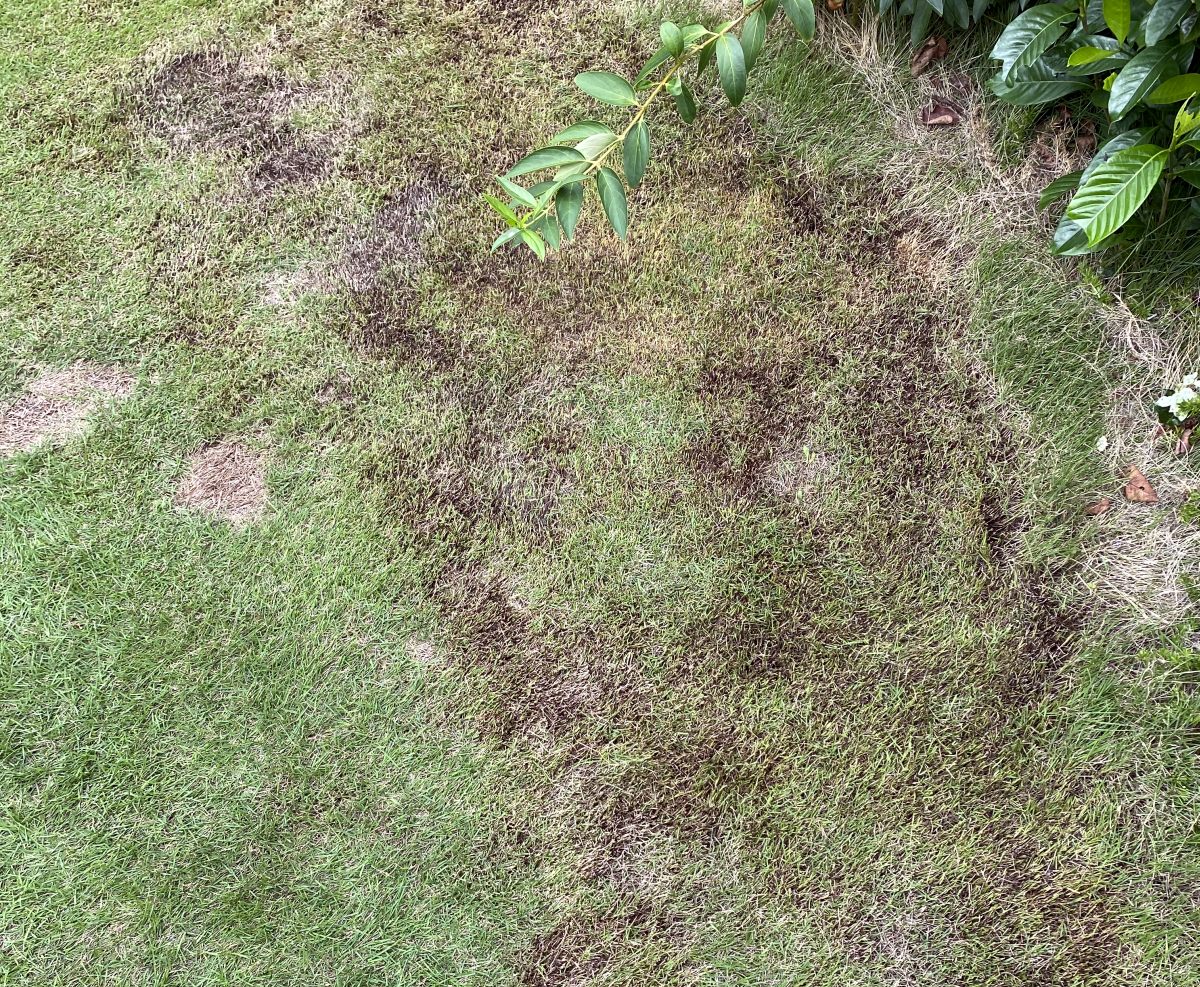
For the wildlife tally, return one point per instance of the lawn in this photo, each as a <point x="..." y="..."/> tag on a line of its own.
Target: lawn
<point x="716" y="608"/>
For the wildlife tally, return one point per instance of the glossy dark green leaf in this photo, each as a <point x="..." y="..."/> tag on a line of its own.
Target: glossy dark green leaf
<point x="1117" y="15"/>
<point x="707" y="54"/>
<point x="636" y="153"/>
<point x="802" y="16"/>
<point x="769" y="8"/>
<point x="546" y="157"/>
<point x="1129" y="138"/>
<point x="978" y="9"/>
<point x="754" y="33"/>
<point x="1190" y="174"/>
<point x="1034" y="85"/>
<point x="607" y="88"/>
<point x="672" y="38"/>
<point x="567" y="205"/>
<point x="1116" y="190"/>
<point x="938" y="7"/>
<point x="1029" y="35"/>
<point x="731" y="65"/>
<point x="958" y="13"/>
<point x="1175" y="89"/>
<point x="1140" y="77"/>
<point x="612" y="198"/>
<point x="1164" y="18"/>
<point x="1058" y="188"/>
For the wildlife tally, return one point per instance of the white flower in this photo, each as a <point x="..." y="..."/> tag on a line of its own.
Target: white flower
<point x="1166" y="401"/>
<point x="1102" y="443"/>
<point x="1190" y="380"/>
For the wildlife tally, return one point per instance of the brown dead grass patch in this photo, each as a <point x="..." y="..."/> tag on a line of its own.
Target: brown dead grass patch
<point x="225" y="480"/>
<point x="215" y="102"/>
<point x="57" y="403"/>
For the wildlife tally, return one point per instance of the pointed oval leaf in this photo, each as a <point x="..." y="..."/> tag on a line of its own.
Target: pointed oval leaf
<point x="547" y="226"/>
<point x="578" y="131"/>
<point x="919" y="27"/>
<point x="1034" y="85"/>
<point x="1058" y="188"/>
<point x="612" y="197"/>
<point x="643" y="77"/>
<point x="754" y="33"/>
<point x="672" y="37"/>
<point x="607" y="88"/>
<point x="637" y="153"/>
<point x="546" y="157"/>
<point x="1140" y="77"/>
<point x="1088" y="54"/>
<point x="1030" y="34"/>
<point x="592" y="147"/>
<point x="535" y="243"/>
<point x="505" y="238"/>
<point x="802" y="16"/>
<point x="1115" y="191"/>
<point x="567" y="206"/>
<point x="1117" y="15"/>
<point x="731" y="66"/>
<point x="521" y="195"/>
<point x="685" y="104"/>
<point x="1130" y="138"/>
<point x="1173" y="90"/>
<point x="1164" y="17"/>
<point x="502" y="209"/>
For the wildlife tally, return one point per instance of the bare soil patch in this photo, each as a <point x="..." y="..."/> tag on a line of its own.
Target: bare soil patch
<point x="213" y="101"/>
<point x="57" y="403"/>
<point x="225" y="480"/>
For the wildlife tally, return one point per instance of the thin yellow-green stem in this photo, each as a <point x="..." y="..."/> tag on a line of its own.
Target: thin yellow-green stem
<point x="594" y="165"/>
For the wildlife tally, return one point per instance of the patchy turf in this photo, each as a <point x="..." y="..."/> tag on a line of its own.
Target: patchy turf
<point x="708" y="609"/>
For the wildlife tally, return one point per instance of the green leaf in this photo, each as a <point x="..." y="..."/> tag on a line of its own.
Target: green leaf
<point x="1164" y="17"/>
<point x="754" y="33"/>
<point x="1185" y="122"/>
<point x="607" y="88"/>
<point x="1058" y="188"/>
<point x="802" y="16"/>
<point x="612" y="197"/>
<point x="768" y="9"/>
<point x="672" y="38"/>
<point x="535" y="243"/>
<point x="567" y="206"/>
<point x="592" y="147"/>
<point x="978" y="9"/>
<point x="637" y="153"/>
<point x="1034" y="85"/>
<point x="657" y="59"/>
<point x="547" y="226"/>
<point x="578" y="131"/>
<point x="502" y="209"/>
<point x="1190" y="174"/>
<point x="919" y="26"/>
<point x="938" y="6"/>
<point x="1115" y="190"/>
<point x="707" y="53"/>
<point x="518" y="193"/>
<point x="1129" y="138"/>
<point x="1173" y="90"/>
<point x="546" y="157"/>
<point x="1029" y="35"/>
<point x="1117" y="15"/>
<point x="731" y="64"/>
<point x="1087" y="54"/>
<point x="505" y="238"/>
<point x="1145" y="71"/>
<point x="685" y="104"/>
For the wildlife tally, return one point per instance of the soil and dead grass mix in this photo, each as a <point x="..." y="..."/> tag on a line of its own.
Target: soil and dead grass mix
<point x="685" y="612"/>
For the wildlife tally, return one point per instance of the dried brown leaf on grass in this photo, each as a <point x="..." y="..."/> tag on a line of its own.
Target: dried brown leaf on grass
<point x="1102" y="506"/>
<point x="1138" y="489"/>
<point x="933" y="50"/>
<point x="939" y="114"/>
